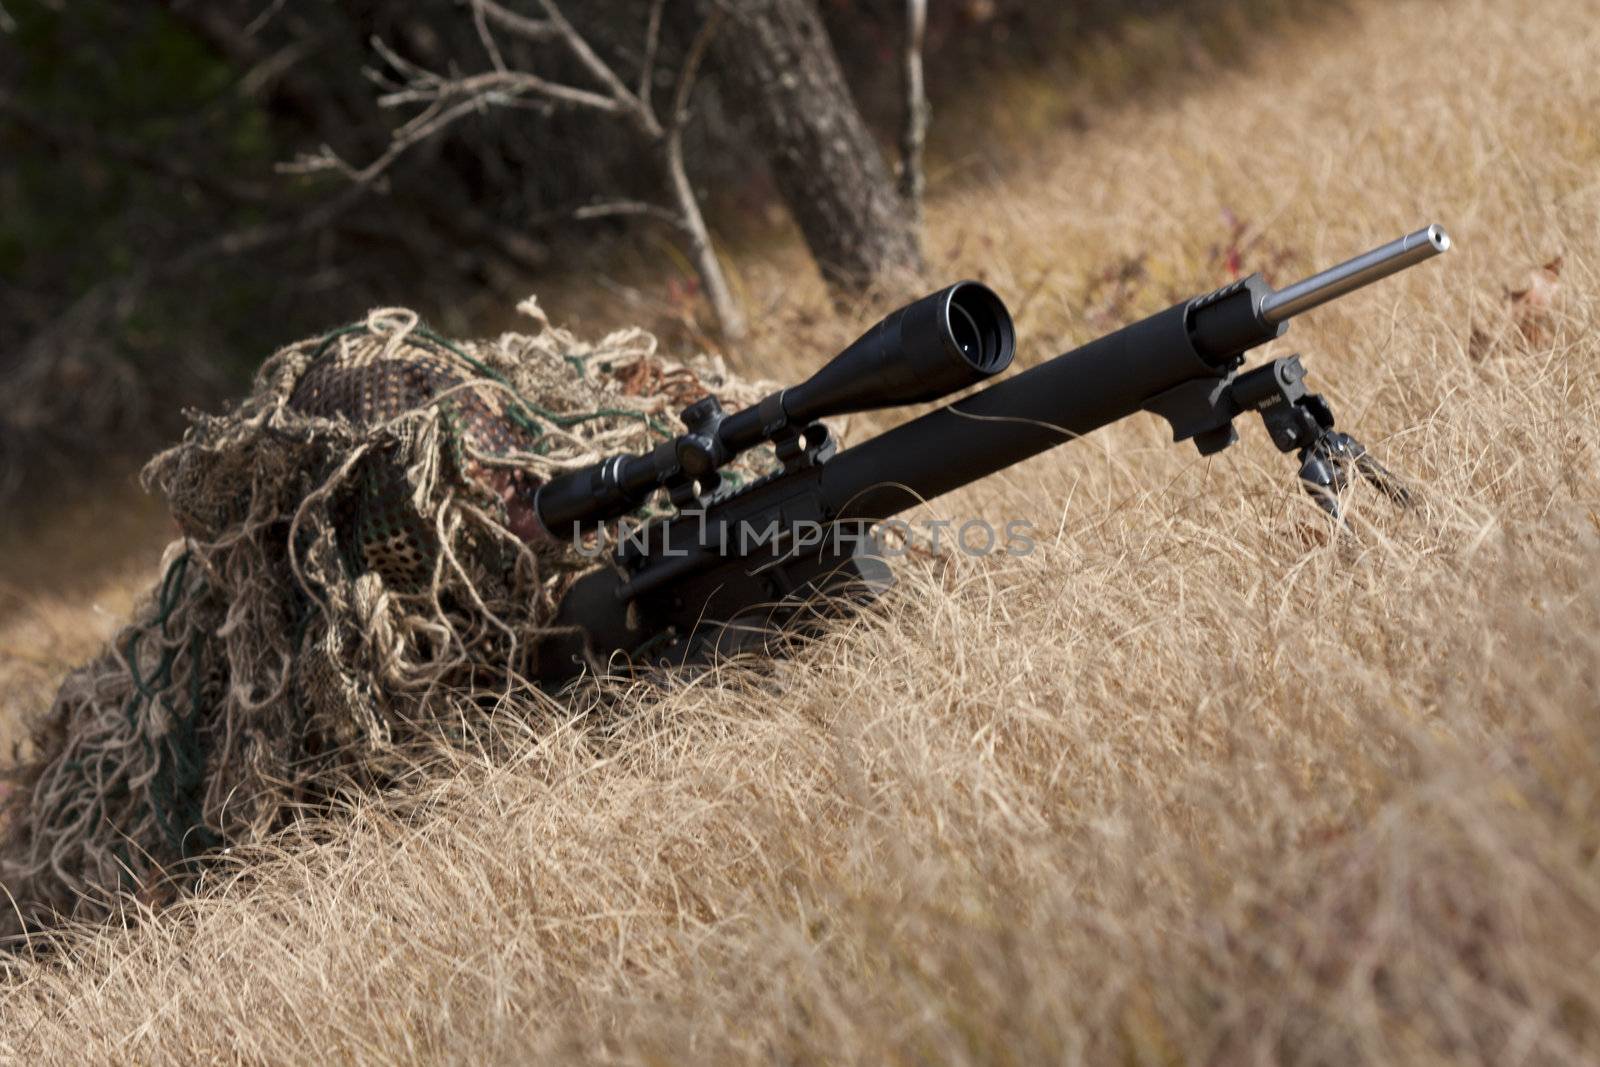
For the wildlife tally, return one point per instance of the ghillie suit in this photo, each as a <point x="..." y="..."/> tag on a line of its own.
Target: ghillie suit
<point x="358" y="566"/>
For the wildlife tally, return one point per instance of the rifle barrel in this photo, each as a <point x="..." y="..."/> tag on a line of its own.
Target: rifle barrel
<point x="1105" y="380"/>
<point x="1365" y="269"/>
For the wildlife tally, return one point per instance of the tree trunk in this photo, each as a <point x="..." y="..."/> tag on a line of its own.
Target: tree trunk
<point x="778" y="67"/>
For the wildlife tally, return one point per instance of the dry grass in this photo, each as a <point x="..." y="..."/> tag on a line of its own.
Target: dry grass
<point x="1192" y="783"/>
<point x="67" y="582"/>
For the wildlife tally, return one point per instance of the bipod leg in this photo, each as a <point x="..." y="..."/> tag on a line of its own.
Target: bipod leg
<point x="1300" y="420"/>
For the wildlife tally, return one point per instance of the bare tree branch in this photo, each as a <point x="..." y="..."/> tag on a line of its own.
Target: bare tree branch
<point x="489" y="87"/>
<point x="701" y="250"/>
<point x="599" y="68"/>
<point x="615" y="208"/>
<point x="652" y="43"/>
<point x="410" y="71"/>
<point x="913" y="180"/>
<point x="437" y="117"/>
<point x="271" y="68"/>
<point x="694" y="223"/>
<point x="481" y="23"/>
<point x="259" y="23"/>
<point x="691" y="70"/>
<point x="446" y="100"/>
<point x="520" y="25"/>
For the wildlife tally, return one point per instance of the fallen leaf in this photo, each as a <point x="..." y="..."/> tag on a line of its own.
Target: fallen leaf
<point x="1532" y="307"/>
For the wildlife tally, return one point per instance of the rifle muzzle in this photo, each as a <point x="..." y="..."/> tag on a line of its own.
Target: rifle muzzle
<point x="1349" y="276"/>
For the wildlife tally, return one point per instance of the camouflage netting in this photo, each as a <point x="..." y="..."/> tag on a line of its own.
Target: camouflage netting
<point x="353" y="570"/>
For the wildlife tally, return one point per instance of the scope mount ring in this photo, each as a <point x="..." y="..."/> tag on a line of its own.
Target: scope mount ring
<point x="811" y="446"/>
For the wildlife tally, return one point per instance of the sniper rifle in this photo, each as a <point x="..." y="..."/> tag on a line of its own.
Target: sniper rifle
<point x="734" y="565"/>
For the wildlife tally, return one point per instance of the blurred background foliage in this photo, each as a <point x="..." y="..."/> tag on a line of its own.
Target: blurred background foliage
<point x="153" y="248"/>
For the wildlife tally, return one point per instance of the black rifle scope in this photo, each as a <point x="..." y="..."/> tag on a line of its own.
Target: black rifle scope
<point x="929" y="349"/>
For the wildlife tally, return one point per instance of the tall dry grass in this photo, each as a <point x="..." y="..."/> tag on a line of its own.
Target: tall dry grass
<point x="1195" y="782"/>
